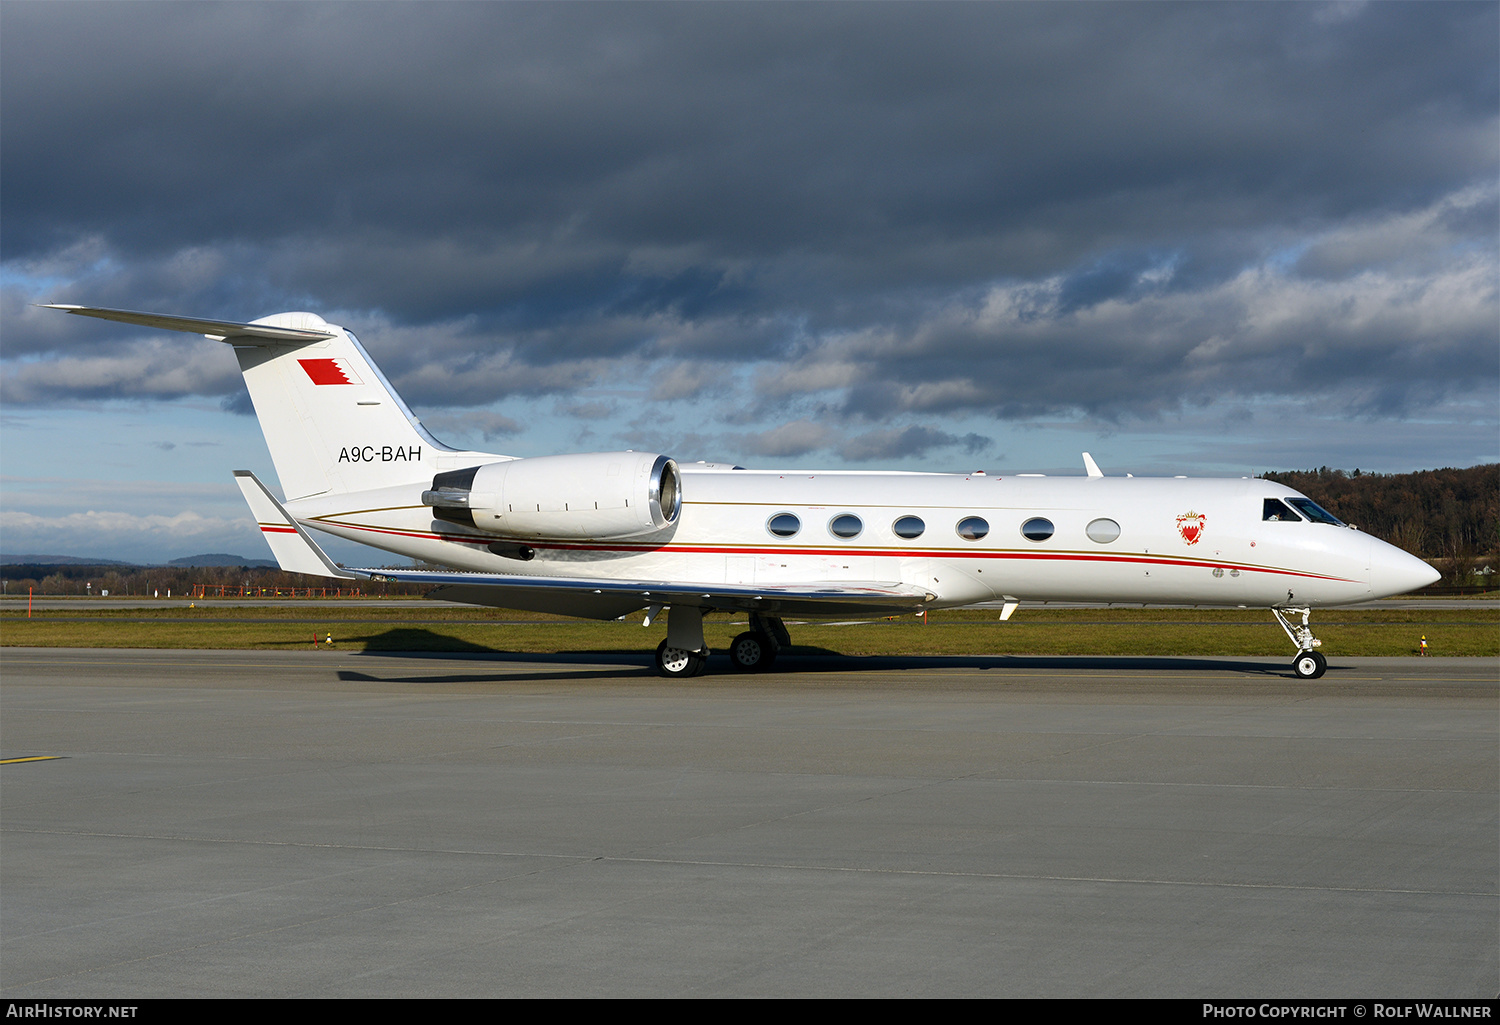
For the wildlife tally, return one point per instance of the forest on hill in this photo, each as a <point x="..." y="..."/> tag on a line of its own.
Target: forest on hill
<point x="1450" y="517"/>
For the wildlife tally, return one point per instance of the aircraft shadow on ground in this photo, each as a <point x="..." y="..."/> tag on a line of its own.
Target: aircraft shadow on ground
<point x="397" y="642"/>
<point x="414" y="643"/>
<point x="802" y="660"/>
<point x="411" y="640"/>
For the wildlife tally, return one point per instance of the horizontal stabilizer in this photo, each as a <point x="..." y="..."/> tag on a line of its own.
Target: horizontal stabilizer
<point x="294" y="548"/>
<point x="219" y="329"/>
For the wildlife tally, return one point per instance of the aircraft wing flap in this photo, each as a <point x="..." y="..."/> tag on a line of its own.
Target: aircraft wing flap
<point x="610" y="599"/>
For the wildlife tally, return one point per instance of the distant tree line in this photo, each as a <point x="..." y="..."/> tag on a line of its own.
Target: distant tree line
<point x="1449" y="517"/>
<point x="144" y="581"/>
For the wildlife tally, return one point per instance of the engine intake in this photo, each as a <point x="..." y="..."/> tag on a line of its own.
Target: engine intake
<point x="592" y="496"/>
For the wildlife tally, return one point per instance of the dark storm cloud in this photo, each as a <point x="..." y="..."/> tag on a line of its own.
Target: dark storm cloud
<point x="1387" y="340"/>
<point x="1010" y="209"/>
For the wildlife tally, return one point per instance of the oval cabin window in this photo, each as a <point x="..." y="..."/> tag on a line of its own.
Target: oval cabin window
<point x="1102" y="530"/>
<point x="908" y="527"/>
<point x="972" y="528"/>
<point x="846" y="526"/>
<point x="1038" y="528"/>
<point x="784" y="525"/>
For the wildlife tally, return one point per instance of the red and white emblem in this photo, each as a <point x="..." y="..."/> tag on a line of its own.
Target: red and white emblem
<point x="330" y="371"/>
<point x="1190" y="526"/>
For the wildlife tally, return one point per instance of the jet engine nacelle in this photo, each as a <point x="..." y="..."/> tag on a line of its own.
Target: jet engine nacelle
<point x="592" y="496"/>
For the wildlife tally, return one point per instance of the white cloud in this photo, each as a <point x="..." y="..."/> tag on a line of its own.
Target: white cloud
<point x="150" y="369"/>
<point x="788" y="440"/>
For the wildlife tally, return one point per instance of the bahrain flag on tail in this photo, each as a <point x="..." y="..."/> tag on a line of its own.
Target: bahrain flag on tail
<point x="330" y="371"/>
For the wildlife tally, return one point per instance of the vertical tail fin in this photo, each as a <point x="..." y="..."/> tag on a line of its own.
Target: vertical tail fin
<point x="332" y="421"/>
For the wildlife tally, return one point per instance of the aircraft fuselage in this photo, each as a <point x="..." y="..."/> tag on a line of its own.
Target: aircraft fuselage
<point x="1113" y="539"/>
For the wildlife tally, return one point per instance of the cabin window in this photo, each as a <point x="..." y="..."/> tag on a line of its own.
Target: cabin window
<point x="972" y="528"/>
<point x="1275" y="509"/>
<point x="908" y="527"/>
<point x="1102" y="530"/>
<point x="846" y="526"/>
<point x="1038" y="528"/>
<point x="784" y="525"/>
<point x="1315" y="512"/>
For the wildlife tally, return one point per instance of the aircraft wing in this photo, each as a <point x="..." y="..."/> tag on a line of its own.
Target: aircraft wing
<point x="585" y="597"/>
<point x="610" y="599"/>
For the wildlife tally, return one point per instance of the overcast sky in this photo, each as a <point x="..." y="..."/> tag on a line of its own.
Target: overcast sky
<point x="1189" y="238"/>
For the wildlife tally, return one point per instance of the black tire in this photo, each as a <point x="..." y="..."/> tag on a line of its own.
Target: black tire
<point x="751" y="652"/>
<point x="677" y="663"/>
<point x="1309" y="665"/>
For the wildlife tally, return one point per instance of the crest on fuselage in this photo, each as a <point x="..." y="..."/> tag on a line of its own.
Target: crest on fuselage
<point x="1190" y="526"/>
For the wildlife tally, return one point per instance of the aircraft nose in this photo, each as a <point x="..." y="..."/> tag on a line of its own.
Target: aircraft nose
<point x="1393" y="571"/>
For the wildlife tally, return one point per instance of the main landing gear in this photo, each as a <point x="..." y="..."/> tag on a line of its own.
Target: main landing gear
<point x="683" y="654"/>
<point x="751" y="652"/>
<point x="1309" y="663"/>
<point x="755" y="650"/>
<point x="679" y="663"/>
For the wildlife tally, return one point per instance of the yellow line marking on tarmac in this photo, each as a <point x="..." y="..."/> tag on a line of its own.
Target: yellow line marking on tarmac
<point x="30" y="758"/>
<point x="184" y="665"/>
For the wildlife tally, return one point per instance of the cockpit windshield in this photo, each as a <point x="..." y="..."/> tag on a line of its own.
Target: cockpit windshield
<point x="1315" y="512"/>
<point x="1275" y="509"/>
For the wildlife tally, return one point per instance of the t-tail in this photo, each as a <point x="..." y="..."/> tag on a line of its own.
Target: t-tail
<point x="332" y="422"/>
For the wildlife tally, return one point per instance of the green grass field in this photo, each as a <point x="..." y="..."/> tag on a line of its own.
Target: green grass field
<point x="1038" y="631"/>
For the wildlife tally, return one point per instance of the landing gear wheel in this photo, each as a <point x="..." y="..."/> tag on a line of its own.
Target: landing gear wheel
<point x="751" y="652"/>
<point x="678" y="663"/>
<point x="1309" y="665"/>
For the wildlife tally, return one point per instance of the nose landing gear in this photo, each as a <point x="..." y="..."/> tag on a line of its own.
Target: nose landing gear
<point x="1309" y="663"/>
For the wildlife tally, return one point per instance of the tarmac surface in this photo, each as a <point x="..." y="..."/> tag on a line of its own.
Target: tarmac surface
<point x="224" y="823"/>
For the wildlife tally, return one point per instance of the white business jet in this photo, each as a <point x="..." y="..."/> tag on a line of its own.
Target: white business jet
<point x="605" y="534"/>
